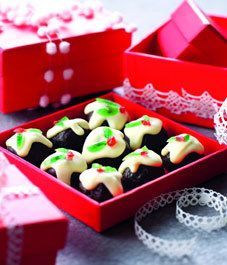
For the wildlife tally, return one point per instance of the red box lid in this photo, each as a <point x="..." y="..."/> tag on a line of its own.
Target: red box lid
<point x="44" y="226"/>
<point x="200" y="31"/>
<point x="92" y="63"/>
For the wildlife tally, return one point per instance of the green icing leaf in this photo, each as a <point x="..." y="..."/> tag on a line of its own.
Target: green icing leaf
<point x="171" y="139"/>
<point x="108" y="133"/>
<point x="146" y="118"/>
<point x="145" y="149"/>
<point x="131" y="155"/>
<point x="54" y="159"/>
<point x="61" y="121"/>
<point x="109" y="169"/>
<point x="187" y="137"/>
<point x="108" y="111"/>
<point x="133" y="124"/>
<point x="97" y="147"/>
<point x="20" y="140"/>
<point x="107" y="102"/>
<point x="35" y="130"/>
<point x="62" y="150"/>
<point x="96" y="165"/>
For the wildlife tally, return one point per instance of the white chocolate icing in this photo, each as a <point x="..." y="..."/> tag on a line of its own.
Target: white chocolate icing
<point x="30" y="138"/>
<point x="91" y="178"/>
<point x="65" y="168"/>
<point x="178" y="150"/>
<point x="97" y="136"/>
<point x="76" y="125"/>
<point x="116" y="121"/>
<point x="136" y="134"/>
<point x="134" y="161"/>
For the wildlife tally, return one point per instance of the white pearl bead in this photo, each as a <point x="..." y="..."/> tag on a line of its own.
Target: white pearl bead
<point x="42" y="31"/>
<point x="51" y="48"/>
<point x="66" y="16"/>
<point x="131" y="28"/>
<point x="19" y="21"/>
<point x="64" y="47"/>
<point x="65" y="99"/>
<point x="116" y="17"/>
<point x="49" y="76"/>
<point x="44" y="101"/>
<point x="68" y="73"/>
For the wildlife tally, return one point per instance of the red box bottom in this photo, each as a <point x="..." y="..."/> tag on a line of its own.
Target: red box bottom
<point x="101" y="216"/>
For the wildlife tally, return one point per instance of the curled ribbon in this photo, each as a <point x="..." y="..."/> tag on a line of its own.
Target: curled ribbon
<point x="183" y="198"/>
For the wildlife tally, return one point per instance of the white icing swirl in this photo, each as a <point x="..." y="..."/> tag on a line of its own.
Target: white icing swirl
<point x="96" y="136"/>
<point x="136" y="134"/>
<point x="140" y="157"/>
<point x="91" y="178"/>
<point x="116" y="121"/>
<point x="29" y="139"/>
<point x="178" y="150"/>
<point x="76" y="125"/>
<point x="65" y="168"/>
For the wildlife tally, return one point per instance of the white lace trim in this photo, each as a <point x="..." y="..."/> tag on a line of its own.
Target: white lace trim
<point x="220" y="121"/>
<point x="184" y="198"/>
<point x="15" y="230"/>
<point x="203" y="106"/>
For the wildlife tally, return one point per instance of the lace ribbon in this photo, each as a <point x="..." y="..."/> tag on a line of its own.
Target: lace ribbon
<point x="184" y="198"/>
<point x="220" y="121"/>
<point x="204" y="106"/>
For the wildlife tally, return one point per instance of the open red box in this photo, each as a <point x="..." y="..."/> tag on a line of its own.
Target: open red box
<point x="200" y="88"/>
<point x="101" y="216"/>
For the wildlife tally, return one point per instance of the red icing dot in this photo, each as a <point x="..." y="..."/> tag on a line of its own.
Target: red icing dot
<point x="144" y="153"/>
<point x="111" y="141"/>
<point x="180" y="138"/>
<point x="146" y="123"/>
<point x="70" y="155"/>
<point x="19" y="130"/>
<point x="100" y="170"/>
<point x="122" y="110"/>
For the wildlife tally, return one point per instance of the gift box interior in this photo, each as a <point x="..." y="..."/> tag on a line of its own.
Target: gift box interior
<point x="198" y="86"/>
<point x="101" y="216"/>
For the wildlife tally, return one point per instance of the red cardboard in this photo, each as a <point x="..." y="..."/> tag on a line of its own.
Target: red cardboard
<point x="96" y="59"/>
<point x="145" y="64"/>
<point x="101" y="216"/>
<point x="44" y="226"/>
<point x="194" y="32"/>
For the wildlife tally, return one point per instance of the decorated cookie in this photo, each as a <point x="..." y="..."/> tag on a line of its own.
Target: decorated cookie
<point x="106" y="146"/>
<point x="66" y="165"/>
<point x="146" y="131"/>
<point x="139" y="167"/>
<point x="181" y="150"/>
<point x="103" y="112"/>
<point x="68" y="133"/>
<point x="30" y="144"/>
<point x="101" y="183"/>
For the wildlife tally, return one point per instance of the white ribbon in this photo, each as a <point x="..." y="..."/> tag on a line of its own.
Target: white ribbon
<point x="184" y="198"/>
<point x="15" y="230"/>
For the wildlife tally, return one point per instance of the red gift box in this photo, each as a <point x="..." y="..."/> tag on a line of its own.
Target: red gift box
<point x="101" y="216"/>
<point x="93" y="63"/>
<point x="185" y="91"/>
<point x="32" y="229"/>
<point x="192" y="35"/>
